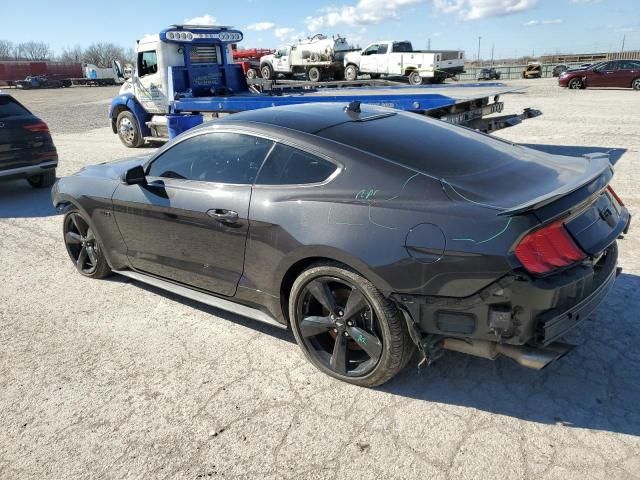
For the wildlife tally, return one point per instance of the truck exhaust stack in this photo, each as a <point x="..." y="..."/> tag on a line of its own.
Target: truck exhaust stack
<point x="530" y="357"/>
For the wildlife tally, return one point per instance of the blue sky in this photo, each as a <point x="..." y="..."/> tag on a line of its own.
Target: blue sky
<point x="515" y="27"/>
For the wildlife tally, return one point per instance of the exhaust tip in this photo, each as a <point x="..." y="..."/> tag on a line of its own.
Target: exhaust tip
<point x="535" y="358"/>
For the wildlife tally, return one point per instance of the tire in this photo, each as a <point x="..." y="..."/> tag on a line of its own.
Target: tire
<point x="374" y="76"/>
<point x="83" y="247"/>
<point x="314" y="74"/>
<point x="129" y="130"/>
<point x="636" y="84"/>
<point x="382" y="347"/>
<point x="351" y="73"/>
<point x="415" y="79"/>
<point x="252" y="73"/>
<point x="267" y="72"/>
<point x="43" y="180"/>
<point x="575" y="84"/>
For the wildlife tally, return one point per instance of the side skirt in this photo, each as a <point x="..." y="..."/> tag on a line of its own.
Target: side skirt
<point x="201" y="297"/>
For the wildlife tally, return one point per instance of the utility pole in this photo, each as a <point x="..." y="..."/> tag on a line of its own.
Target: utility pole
<point x="623" y="39"/>
<point x="479" y="38"/>
<point x="492" y="47"/>
<point x="429" y="43"/>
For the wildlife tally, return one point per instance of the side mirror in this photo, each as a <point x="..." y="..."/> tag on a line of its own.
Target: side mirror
<point x="135" y="176"/>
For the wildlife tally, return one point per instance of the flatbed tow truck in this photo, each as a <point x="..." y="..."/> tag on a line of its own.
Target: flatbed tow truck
<point x="186" y="71"/>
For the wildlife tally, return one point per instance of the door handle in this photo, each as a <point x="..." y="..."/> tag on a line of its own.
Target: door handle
<point x="226" y="216"/>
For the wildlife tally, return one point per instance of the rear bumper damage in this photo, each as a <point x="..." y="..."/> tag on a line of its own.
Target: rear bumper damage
<point x="521" y="318"/>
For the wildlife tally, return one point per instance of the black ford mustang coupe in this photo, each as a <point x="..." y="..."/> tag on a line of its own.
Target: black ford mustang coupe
<point x="368" y="231"/>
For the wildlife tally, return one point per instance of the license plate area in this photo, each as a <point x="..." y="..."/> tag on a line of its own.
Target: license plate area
<point x="598" y="226"/>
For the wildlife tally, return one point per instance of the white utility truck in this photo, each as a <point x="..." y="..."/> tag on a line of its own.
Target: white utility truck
<point x="318" y="57"/>
<point x="399" y="58"/>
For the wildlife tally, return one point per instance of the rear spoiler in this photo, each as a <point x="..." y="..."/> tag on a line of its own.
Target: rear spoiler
<point x="597" y="176"/>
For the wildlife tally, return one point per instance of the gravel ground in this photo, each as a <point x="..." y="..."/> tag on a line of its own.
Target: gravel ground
<point x="111" y="379"/>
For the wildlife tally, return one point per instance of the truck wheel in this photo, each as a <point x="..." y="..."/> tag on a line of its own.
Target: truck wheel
<point x="129" y="130"/>
<point x="314" y="74"/>
<point x="350" y="73"/>
<point x="415" y="78"/>
<point x="345" y="326"/>
<point x="636" y="84"/>
<point x="267" y="72"/>
<point x="251" y="73"/>
<point x="44" y="180"/>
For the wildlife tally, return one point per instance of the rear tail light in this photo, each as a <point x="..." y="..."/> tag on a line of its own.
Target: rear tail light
<point x="548" y="248"/>
<point x="615" y="195"/>
<point x="37" y="128"/>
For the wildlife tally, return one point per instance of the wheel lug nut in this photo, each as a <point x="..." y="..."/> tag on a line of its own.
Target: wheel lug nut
<point x="346" y="334"/>
<point x="335" y="330"/>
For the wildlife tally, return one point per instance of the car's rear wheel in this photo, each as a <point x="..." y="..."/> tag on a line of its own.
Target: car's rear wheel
<point x="314" y="74"/>
<point x="575" y="84"/>
<point x="636" y="84"/>
<point x="267" y="72"/>
<point x="83" y="247"/>
<point x="346" y="327"/>
<point x="129" y="130"/>
<point x="43" y="180"/>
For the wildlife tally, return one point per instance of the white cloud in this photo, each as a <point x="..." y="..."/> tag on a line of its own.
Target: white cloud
<point x="585" y="1"/>
<point x="623" y="29"/>
<point x="288" y="34"/>
<point x="260" y="26"/>
<point x="477" y="9"/>
<point x="531" y="23"/>
<point x="364" y="12"/>
<point x="203" y="20"/>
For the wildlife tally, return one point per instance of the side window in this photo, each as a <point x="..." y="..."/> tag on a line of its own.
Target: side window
<point x="608" y="66"/>
<point x="213" y="157"/>
<point x="147" y="63"/>
<point x="290" y="166"/>
<point x="371" y="49"/>
<point x="382" y="49"/>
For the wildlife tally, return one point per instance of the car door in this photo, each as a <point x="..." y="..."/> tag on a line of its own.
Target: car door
<point x="628" y="71"/>
<point x="368" y="59"/>
<point x="382" y="58"/>
<point x="190" y="221"/>
<point x="602" y="75"/>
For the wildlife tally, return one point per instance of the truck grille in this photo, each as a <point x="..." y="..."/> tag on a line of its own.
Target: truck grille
<point x="203" y="54"/>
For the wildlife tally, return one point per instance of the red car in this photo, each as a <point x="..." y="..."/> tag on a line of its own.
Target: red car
<point x="616" y="73"/>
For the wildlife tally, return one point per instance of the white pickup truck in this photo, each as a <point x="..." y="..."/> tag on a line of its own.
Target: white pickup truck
<point x="399" y="58"/>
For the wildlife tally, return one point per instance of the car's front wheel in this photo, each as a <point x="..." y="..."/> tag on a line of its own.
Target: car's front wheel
<point x="129" y="130"/>
<point x="350" y="73"/>
<point x="346" y="327"/>
<point x="575" y="84"/>
<point x="83" y="247"/>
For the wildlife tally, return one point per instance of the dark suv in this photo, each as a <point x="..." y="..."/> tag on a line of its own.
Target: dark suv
<point x="26" y="148"/>
<point x="489" y="74"/>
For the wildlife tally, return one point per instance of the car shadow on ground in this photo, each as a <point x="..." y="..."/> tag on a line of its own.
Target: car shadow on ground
<point x="578" y="151"/>
<point x="18" y="199"/>
<point x="272" y="330"/>
<point x="596" y="386"/>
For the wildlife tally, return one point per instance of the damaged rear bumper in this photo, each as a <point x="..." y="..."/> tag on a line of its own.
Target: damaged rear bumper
<point x="516" y="317"/>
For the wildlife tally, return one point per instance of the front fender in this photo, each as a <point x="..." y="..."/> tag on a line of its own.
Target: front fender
<point x="127" y="101"/>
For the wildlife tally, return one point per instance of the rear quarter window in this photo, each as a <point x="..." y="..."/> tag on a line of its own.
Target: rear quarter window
<point x="11" y="108"/>
<point x="291" y="166"/>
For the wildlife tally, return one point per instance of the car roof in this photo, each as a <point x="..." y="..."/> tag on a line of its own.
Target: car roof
<point x="310" y="117"/>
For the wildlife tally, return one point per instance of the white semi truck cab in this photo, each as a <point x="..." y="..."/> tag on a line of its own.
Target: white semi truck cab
<point x="399" y="58"/>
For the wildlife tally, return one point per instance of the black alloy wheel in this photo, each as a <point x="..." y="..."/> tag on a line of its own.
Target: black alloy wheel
<point x="339" y="326"/>
<point x="346" y="327"/>
<point x="83" y="247"/>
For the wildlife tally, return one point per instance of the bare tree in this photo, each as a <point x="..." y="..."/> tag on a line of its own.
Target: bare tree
<point x="103" y="54"/>
<point x="71" y="54"/>
<point x="6" y="49"/>
<point x="33" y="50"/>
